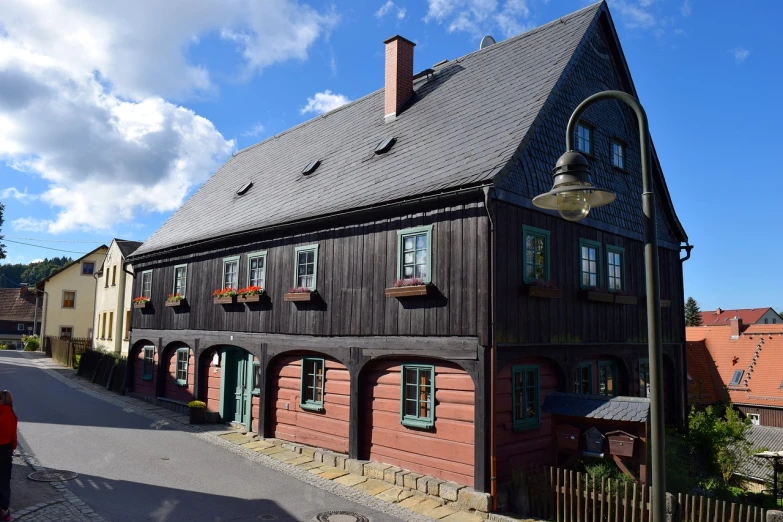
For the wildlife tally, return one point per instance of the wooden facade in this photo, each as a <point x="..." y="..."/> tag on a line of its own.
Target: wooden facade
<point x="767" y="416"/>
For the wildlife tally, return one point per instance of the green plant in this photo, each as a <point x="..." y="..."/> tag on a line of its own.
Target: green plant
<point x="3" y="347"/>
<point x="76" y="360"/>
<point x="199" y="405"/>
<point x="31" y="343"/>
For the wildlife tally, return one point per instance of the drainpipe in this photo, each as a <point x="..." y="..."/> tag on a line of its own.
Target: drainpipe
<point x="493" y="472"/>
<point x="684" y="353"/>
<point x="38" y="299"/>
<point x="120" y="305"/>
<point x="95" y="324"/>
<point x="124" y="266"/>
<point x="43" y="319"/>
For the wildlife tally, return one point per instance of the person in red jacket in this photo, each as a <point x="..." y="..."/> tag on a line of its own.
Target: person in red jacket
<point x="8" y="423"/>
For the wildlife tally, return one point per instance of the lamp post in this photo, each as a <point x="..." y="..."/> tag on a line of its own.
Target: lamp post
<point x="572" y="195"/>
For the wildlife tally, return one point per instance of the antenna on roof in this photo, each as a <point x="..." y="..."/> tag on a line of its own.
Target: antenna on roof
<point x="486" y="42"/>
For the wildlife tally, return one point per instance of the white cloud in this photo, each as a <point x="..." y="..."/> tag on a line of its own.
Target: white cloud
<point x="389" y="7"/>
<point x="740" y="54"/>
<point x="480" y="17"/>
<point x="635" y="16"/>
<point x="14" y="193"/>
<point x="686" y="9"/>
<point x="254" y="131"/>
<point x="324" y="102"/>
<point x="85" y="108"/>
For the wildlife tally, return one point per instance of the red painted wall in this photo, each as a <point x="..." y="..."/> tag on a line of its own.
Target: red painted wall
<point x="211" y="381"/>
<point x="445" y="452"/>
<point x="140" y="386"/>
<point x="328" y="429"/>
<point x="529" y="448"/>
<point x="255" y="409"/>
<point x="170" y="389"/>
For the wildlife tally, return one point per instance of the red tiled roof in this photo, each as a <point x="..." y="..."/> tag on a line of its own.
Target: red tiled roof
<point x="15" y="308"/>
<point x="748" y="316"/>
<point x="756" y="353"/>
<point x="703" y="380"/>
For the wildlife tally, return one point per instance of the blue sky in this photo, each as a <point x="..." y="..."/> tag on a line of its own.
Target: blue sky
<point x="106" y="129"/>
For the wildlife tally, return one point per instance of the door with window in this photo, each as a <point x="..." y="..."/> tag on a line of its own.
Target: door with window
<point x="237" y="386"/>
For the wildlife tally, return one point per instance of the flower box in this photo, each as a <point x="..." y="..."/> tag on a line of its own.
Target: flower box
<point x="298" y="296"/>
<point x="249" y="298"/>
<point x="407" y="291"/>
<point x="225" y="300"/>
<point x="198" y="415"/>
<point x="542" y="291"/>
<point x="567" y="437"/>
<point x="621" y="443"/>
<point x="140" y="304"/>
<point x="598" y="296"/>
<point x="179" y="302"/>
<point x="625" y="299"/>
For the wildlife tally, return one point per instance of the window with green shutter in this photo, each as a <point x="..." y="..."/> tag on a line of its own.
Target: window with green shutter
<point x="536" y="241"/>
<point x="607" y="378"/>
<point x="414" y="253"/>
<point x="525" y="392"/>
<point x="180" y="280"/>
<point x="183" y="356"/>
<point x="615" y="268"/>
<point x="417" y="402"/>
<point x="313" y="377"/>
<point x="583" y="380"/>
<point x="589" y="263"/>
<point x="148" y="363"/>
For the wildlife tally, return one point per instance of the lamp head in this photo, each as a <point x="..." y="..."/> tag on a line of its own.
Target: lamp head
<point x="573" y="193"/>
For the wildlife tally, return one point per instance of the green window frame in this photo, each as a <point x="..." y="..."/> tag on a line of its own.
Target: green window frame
<point x="583" y="379"/>
<point x="312" y="389"/>
<point x="411" y="244"/>
<point x="306" y="266"/>
<point x="536" y="244"/>
<point x="584" y="138"/>
<point x="615" y="268"/>
<point x="256" y="269"/>
<point x="526" y="388"/>
<point x="607" y="378"/>
<point x="181" y="371"/>
<point x="148" y="363"/>
<point x="417" y="395"/>
<point x="180" y="280"/>
<point x="618" y="154"/>
<point x="230" y="277"/>
<point x="589" y="263"/>
<point x="644" y="377"/>
<point x="256" y="375"/>
<point x="146" y="283"/>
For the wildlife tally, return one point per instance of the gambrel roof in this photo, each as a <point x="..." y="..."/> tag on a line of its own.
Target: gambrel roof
<point x="465" y="122"/>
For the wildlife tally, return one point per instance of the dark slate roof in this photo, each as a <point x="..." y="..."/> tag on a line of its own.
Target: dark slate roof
<point x="627" y="409"/>
<point x="127" y="247"/>
<point x="762" y="438"/>
<point x="15" y="308"/>
<point x="462" y="127"/>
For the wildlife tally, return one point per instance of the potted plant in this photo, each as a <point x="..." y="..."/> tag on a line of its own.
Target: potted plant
<point x="594" y="293"/>
<point x="140" y="302"/>
<point x="250" y="294"/>
<point x="224" y="296"/>
<point x="175" y="300"/>
<point x="298" y="293"/>
<point x="198" y="412"/>
<point x="409" y="287"/>
<point x="541" y="288"/>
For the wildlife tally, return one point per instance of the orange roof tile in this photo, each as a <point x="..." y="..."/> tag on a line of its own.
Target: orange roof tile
<point x="748" y="316"/>
<point x="757" y="354"/>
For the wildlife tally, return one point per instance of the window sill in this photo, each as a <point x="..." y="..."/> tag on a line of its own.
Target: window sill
<point x="180" y="383"/>
<point x="145" y="378"/>
<point x="299" y="296"/>
<point x="416" y="423"/>
<point x="408" y="291"/>
<point x="533" y="290"/>
<point x="319" y="408"/>
<point x="256" y="392"/>
<point x="597" y="295"/>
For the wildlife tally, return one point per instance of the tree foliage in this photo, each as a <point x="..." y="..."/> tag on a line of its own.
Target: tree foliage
<point x="12" y="275"/>
<point x="692" y="313"/>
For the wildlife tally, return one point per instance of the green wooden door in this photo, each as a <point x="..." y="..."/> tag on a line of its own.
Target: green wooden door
<point x="242" y="389"/>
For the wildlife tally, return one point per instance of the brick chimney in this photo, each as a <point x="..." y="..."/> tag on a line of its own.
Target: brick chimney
<point x="399" y="75"/>
<point x="736" y="327"/>
<point x="718" y="310"/>
<point x="22" y="290"/>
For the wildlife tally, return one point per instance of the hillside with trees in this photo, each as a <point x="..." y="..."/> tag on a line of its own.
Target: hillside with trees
<point x="13" y="274"/>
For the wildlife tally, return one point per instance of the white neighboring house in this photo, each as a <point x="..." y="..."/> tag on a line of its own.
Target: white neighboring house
<point x="113" y="294"/>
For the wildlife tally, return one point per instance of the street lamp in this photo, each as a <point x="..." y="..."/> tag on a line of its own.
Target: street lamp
<point x="573" y="195"/>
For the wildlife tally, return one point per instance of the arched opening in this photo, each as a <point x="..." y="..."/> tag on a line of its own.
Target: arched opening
<point x="229" y="382"/>
<point x="178" y="367"/>
<point x="419" y="415"/>
<point x="309" y="400"/>
<point x="600" y="374"/>
<point x="143" y="359"/>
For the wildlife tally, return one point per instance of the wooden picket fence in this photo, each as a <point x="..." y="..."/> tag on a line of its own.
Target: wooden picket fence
<point x="571" y="496"/>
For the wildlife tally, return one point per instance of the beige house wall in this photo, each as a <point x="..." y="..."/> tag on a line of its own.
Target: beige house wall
<point x="112" y="304"/>
<point x="80" y="316"/>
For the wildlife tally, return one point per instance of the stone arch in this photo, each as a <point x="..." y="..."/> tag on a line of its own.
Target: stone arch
<point x="184" y="391"/>
<point x="139" y="382"/>
<point x="227" y="381"/>
<point x="444" y="448"/>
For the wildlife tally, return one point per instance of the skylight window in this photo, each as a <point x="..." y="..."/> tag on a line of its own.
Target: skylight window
<point x="310" y="167"/>
<point x="385" y="145"/>
<point x="735" y="379"/>
<point x="244" y="188"/>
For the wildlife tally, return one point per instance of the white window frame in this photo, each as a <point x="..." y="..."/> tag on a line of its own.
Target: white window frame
<point x="143" y="275"/>
<point x="755" y="418"/>
<point x="177" y="370"/>
<point x="20" y="327"/>
<point x="226" y="262"/>
<point x="297" y="251"/>
<point x="250" y="257"/>
<point x="184" y="280"/>
<point x="590" y="137"/>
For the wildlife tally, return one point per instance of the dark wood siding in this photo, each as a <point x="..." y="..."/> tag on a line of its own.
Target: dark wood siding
<point x="446" y="451"/>
<point x="522" y="319"/>
<point x="355" y="265"/>
<point x="772" y="417"/>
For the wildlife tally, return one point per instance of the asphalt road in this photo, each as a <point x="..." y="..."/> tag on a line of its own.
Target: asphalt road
<point x="131" y="469"/>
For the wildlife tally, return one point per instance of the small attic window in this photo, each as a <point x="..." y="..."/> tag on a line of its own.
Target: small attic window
<point x="385" y="145"/>
<point x="735" y="379"/>
<point x="310" y="167"/>
<point x="244" y="188"/>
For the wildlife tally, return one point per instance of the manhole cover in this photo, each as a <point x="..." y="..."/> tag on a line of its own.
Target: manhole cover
<point x="52" y="475"/>
<point x="341" y="516"/>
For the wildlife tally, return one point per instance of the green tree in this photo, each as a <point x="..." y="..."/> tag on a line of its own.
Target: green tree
<point x="692" y="313"/>
<point x="720" y="442"/>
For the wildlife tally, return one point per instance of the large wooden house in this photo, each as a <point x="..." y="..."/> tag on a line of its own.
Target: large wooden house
<point x="426" y="183"/>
